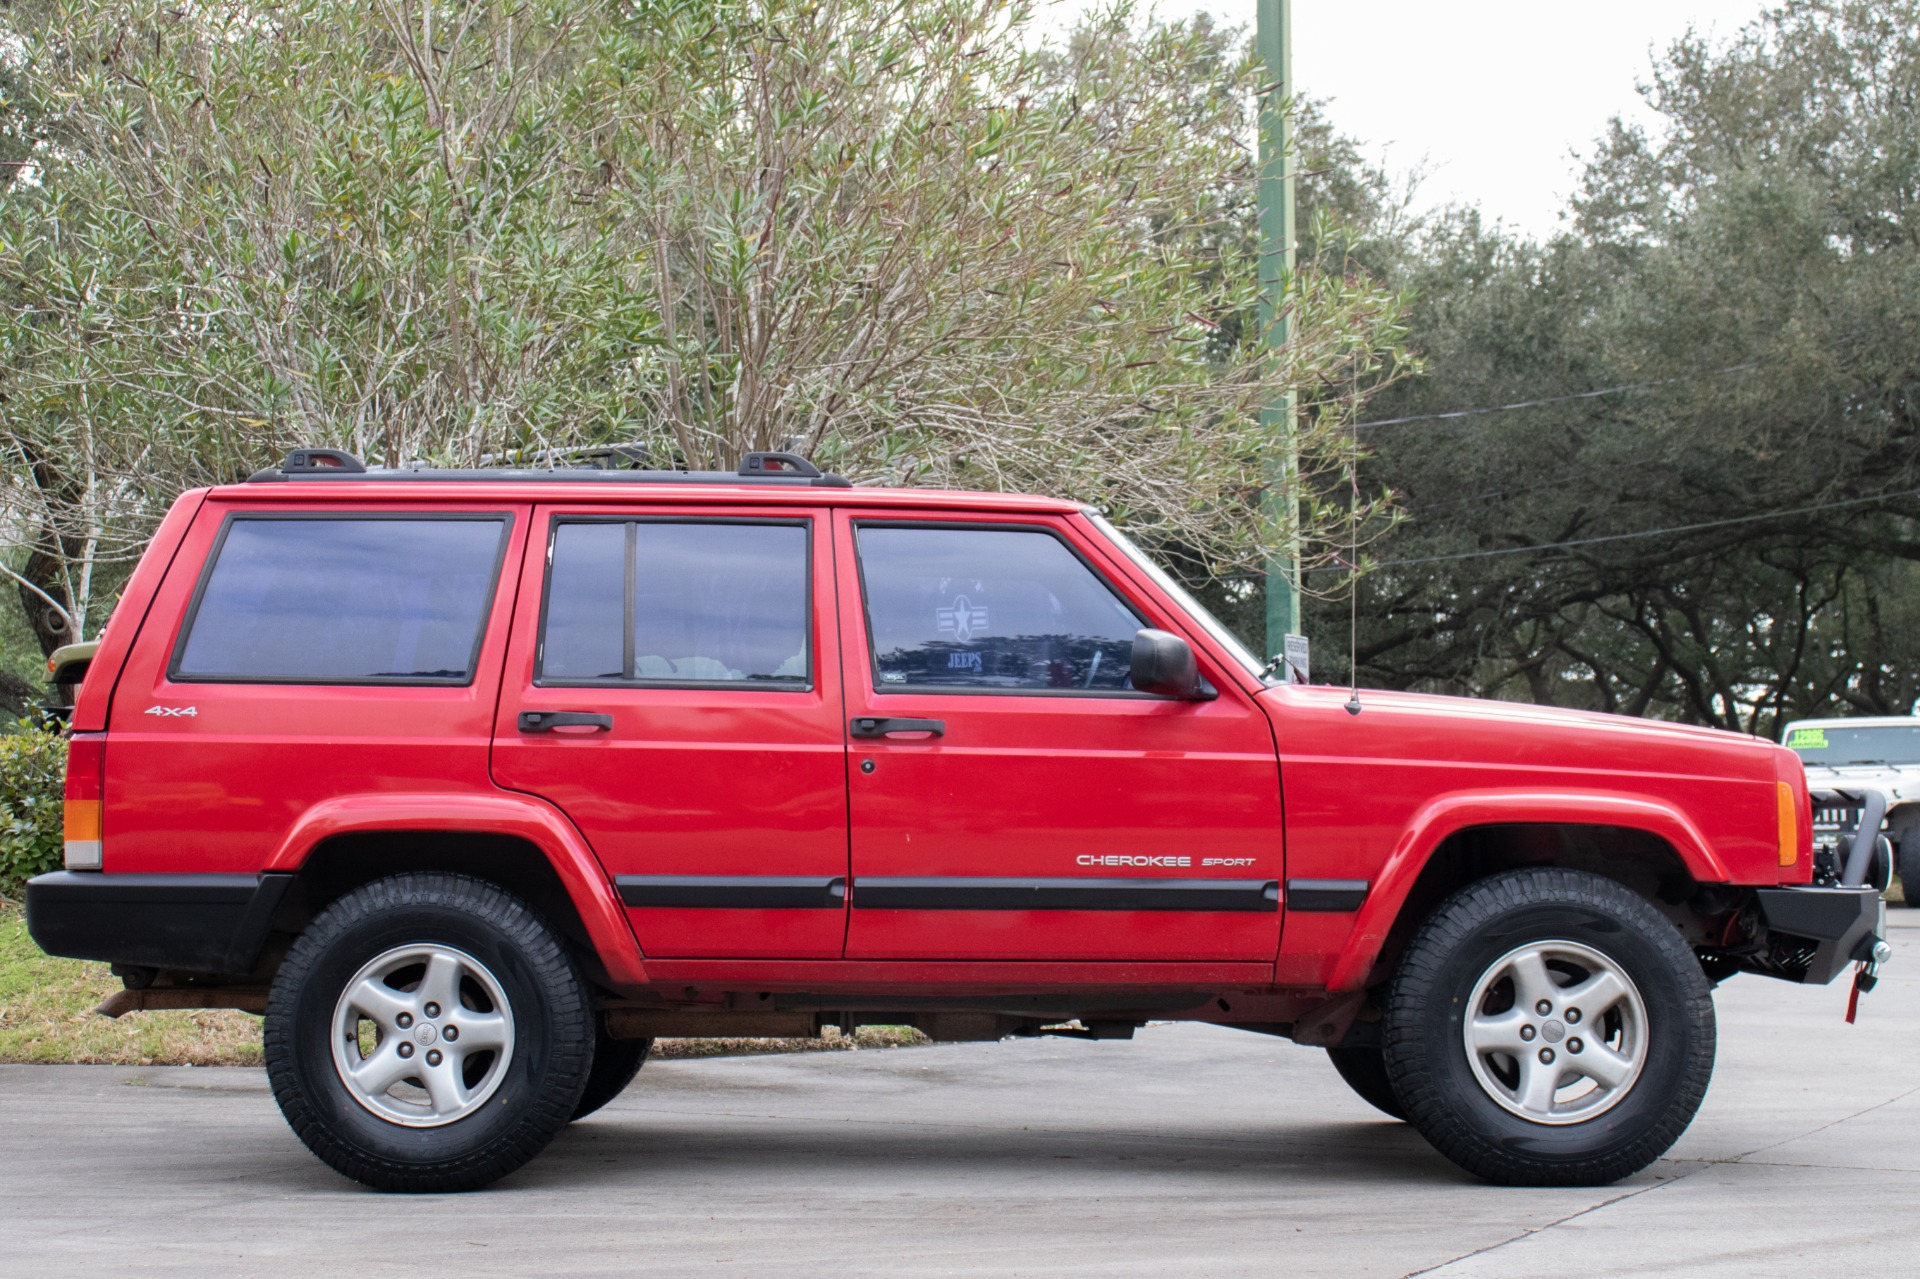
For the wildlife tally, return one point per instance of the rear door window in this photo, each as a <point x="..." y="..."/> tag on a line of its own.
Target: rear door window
<point x="668" y="603"/>
<point x="343" y="600"/>
<point x="990" y="610"/>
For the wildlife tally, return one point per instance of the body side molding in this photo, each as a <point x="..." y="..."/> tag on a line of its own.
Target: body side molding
<point x="1332" y="896"/>
<point x="733" y="892"/>
<point x="971" y="892"/>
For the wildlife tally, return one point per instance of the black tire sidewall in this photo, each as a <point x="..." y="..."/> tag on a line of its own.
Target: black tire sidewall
<point x="616" y="1062"/>
<point x="1906" y="863"/>
<point x="1364" y="1069"/>
<point x="1427" y="1040"/>
<point x="541" y="1078"/>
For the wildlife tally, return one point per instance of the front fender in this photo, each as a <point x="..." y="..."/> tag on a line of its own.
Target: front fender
<point x="599" y="906"/>
<point x="1449" y="814"/>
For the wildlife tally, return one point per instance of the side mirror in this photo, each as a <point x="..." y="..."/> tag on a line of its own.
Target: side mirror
<point x="1163" y="664"/>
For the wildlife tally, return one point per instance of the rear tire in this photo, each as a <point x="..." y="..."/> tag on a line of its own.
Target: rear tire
<point x="1365" y="1070"/>
<point x="1549" y="1028"/>
<point x="428" y="1033"/>
<point x="615" y="1063"/>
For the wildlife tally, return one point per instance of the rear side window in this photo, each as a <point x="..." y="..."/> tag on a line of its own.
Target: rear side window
<point x="344" y="601"/>
<point x="990" y="610"/>
<point x="672" y="602"/>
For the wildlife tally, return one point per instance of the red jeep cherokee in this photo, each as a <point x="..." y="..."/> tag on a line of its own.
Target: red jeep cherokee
<point x="475" y="781"/>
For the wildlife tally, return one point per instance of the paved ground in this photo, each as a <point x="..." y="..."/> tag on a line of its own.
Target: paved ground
<point x="1189" y="1151"/>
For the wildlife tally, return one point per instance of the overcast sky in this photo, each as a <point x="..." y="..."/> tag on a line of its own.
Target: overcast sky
<point x="1493" y="98"/>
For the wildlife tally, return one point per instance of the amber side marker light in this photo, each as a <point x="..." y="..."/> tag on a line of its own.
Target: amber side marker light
<point x="1789" y="824"/>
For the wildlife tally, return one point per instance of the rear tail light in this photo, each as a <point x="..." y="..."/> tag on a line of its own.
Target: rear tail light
<point x="1789" y="817"/>
<point x="86" y="788"/>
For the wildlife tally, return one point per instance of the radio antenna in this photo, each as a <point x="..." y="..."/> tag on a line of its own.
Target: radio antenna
<point x="1353" y="589"/>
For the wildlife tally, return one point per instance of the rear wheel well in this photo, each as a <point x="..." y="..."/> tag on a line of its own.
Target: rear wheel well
<point x="343" y="863"/>
<point x="1637" y="859"/>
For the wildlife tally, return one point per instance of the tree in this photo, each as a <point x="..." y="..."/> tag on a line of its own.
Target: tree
<point x="1733" y="541"/>
<point x="886" y="232"/>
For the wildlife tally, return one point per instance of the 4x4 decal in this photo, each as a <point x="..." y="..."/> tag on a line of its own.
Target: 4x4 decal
<point x="176" y="712"/>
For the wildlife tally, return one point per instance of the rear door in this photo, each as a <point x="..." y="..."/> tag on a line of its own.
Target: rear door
<point x="1012" y="796"/>
<point x="673" y="685"/>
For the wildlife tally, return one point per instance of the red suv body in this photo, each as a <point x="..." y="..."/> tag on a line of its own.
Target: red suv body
<point x="757" y="754"/>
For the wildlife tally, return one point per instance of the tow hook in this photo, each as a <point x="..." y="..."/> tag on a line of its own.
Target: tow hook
<point x="1866" y="974"/>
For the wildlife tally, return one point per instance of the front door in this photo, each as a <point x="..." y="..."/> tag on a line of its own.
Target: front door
<point x="1012" y="797"/>
<point x="673" y="685"/>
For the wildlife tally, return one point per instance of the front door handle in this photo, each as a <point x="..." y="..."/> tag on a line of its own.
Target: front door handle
<point x="882" y="726"/>
<point x="547" y="721"/>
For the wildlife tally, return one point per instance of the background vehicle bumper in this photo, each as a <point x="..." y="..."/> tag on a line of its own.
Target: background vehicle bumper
<point x="189" y="923"/>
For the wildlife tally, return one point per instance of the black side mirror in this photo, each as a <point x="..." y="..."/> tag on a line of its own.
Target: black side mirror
<point x="1163" y="664"/>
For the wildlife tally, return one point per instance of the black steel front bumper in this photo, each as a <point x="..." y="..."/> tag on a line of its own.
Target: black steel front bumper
<point x="184" y="923"/>
<point x="1815" y="933"/>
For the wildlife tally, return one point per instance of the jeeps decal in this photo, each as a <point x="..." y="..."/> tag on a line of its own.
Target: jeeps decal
<point x="177" y="712"/>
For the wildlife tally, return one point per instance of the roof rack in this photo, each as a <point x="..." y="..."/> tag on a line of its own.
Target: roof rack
<point x="784" y="469"/>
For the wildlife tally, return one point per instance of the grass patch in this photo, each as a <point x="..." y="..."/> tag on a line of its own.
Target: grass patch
<point x="47" y="1018"/>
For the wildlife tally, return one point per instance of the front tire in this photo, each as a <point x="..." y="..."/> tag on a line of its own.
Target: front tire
<point x="1550" y="1028"/>
<point x="428" y="1033"/>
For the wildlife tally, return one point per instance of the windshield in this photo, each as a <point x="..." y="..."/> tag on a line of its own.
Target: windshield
<point x="1837" y="745"/>
<point x="1193" y="607"/>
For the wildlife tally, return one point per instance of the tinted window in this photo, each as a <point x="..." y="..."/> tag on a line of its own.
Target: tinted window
<point x="990" y="609"/>
<point x="700" y="603"/>
<point x="324" y="601"/>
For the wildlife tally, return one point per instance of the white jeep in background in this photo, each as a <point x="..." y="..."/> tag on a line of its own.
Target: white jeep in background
<point x="1881" y="753"/>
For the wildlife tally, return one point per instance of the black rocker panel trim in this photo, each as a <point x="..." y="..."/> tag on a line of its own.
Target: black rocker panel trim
<point x="1330" y="896"/>
<point x="733" y="892"/>
<point x="888" y="892"/>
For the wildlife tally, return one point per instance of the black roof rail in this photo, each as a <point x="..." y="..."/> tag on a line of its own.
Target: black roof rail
<point x="781" y="469"/>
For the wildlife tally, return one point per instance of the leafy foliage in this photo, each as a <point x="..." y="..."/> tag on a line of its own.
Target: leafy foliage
<point x="891" y="233"/>
<point x="33" y="771"/>
<point x="1734" y="541"/>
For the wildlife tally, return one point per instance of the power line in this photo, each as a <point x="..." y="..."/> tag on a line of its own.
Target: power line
<point x="1622" y="537"/>
<point x="1556" y="399"/>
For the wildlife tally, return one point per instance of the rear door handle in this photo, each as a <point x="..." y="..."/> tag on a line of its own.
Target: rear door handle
<point x="547" y="721"/>
<point x="882" y="726"/>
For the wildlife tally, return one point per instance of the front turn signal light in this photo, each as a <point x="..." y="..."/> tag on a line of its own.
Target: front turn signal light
<point x="1789" y="811"/>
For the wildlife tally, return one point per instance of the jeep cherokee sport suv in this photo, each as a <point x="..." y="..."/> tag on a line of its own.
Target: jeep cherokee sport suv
<point x="475" y="781"/>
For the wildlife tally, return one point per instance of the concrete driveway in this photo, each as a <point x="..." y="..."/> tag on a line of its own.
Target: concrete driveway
<point x="1189" y="1151"/>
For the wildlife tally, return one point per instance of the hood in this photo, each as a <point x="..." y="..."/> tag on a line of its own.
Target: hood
<point x="1899" y="782"/>
<point x="1475" y="730"/>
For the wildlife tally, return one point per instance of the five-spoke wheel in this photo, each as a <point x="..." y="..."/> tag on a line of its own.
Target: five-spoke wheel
<point x="422" y="1035"/>
<point x="1555" y="1032"/>
<point x="1549" y="1027"/>
<point x="428" y="1032"/>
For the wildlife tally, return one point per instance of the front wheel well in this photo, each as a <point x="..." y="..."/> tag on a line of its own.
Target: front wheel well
<point x="339" y="865"/>
<point x="1637" y="859"/>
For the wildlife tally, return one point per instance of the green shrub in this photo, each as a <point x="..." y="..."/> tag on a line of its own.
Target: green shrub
<point x="33" y="770"/>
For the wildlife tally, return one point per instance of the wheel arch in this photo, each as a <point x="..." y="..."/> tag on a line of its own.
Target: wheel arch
<point x="522" y="845"/>
<point x="1456" y="839"/>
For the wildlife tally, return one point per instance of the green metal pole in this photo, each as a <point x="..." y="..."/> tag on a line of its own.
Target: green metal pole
<point x="1274" y="40"/>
